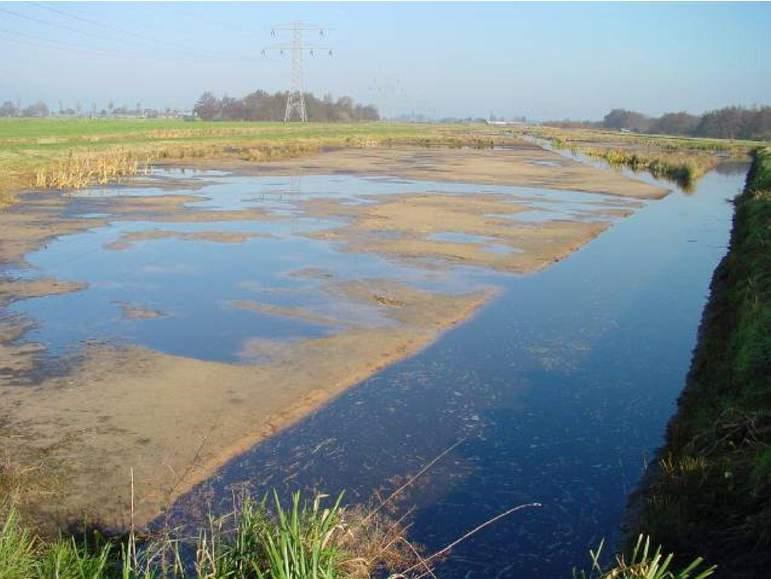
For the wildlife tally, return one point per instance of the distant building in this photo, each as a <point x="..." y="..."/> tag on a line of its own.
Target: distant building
<point x="505" y="123"/>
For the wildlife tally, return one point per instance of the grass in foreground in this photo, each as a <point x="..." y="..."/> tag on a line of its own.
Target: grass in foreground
<point x="305" y="541"/>
<point x="258" y="540"/>
<point x="711" y="492"/>
<point x="644" y="562"/>
<point x="265" y="539"/>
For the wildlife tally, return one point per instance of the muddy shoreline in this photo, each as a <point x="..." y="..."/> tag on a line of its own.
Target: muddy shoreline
<point x="174" y="420"/>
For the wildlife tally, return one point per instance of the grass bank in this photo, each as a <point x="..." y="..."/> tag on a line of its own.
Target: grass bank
<point x="308" y="539"/>
<point x="711" y="491"/>
<point x="73" y="153"/>
<point x="682" y="160"/>
<point x="260" y="540"/>
<point x="304" y="539"/>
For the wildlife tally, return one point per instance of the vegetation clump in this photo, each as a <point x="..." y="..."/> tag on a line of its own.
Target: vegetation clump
<point x="711" y="491"/>
<point x="79" y="171"/>
<point x="684" y="170"/>
<point x="644" y="562"/>
<point x="259" y="539"/>
<point x="682" y="160"/>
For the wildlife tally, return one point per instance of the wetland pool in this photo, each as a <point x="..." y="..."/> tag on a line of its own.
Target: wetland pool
<point x="560" y="390"/>
<point x="556" y="390"/>
<point x="178" y="287"/>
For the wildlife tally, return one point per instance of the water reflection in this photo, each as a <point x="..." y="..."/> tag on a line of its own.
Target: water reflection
<point x="190" y="274"/>
<point x="560" y="388"/>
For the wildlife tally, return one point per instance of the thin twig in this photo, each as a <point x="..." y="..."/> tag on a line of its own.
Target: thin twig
<point x="414" y="478"/>
<point x="421" y="560"/>
<point x="474" y="531"/>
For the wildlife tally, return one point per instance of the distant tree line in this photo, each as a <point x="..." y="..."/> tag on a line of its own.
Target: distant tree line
<point x="41" y="109"/>
<point x="263" y="106"/>
<point x="726" y="123"/>
<point x="9" y="109"/>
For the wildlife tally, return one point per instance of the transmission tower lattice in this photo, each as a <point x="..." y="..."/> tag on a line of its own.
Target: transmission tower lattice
<point x="295" y="102"/>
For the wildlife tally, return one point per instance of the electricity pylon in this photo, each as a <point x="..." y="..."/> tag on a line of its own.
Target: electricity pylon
<point x="295" y="102"/>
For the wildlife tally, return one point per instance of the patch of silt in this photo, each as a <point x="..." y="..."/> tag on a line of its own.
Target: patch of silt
<point x="173" y="420"/>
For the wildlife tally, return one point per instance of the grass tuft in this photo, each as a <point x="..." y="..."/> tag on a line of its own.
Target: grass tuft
<point x="644" y="562"/>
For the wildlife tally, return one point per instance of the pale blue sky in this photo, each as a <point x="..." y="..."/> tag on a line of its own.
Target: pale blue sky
<point x="541" y="60"/>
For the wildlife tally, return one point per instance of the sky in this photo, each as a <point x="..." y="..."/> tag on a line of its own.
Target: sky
<point x="539" y="60"/>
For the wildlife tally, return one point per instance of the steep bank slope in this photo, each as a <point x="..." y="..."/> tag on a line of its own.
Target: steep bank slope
<point x="711" y="494"/>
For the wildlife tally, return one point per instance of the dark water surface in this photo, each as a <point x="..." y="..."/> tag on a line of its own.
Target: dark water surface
<point x="560" y="390"/>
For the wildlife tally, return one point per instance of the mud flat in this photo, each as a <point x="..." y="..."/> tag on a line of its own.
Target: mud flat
<point x="456" y="229"/>
<point x="524" y="165"/>
<point x="346" y="285"/>
<point x="174" y="419"/>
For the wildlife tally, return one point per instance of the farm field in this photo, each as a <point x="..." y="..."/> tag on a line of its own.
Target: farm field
<point x="83" y="150"/>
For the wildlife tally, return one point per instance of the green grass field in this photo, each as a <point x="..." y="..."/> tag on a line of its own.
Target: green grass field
<point x="28" y="146"/>
<point x="64" y="153"/>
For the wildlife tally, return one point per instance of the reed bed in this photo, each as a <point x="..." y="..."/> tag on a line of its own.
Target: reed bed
<point x="683" y="169"/>
<point x="79" y="171"/>
<point x="681" y="160"/>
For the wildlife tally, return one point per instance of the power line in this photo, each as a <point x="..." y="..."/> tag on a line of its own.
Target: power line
<point x="35" y="40"/>
<point x="188" y="50"/>
<point x="45" y="22"/>
<point x="120" y="30"/>
<point x="295" y="101"/>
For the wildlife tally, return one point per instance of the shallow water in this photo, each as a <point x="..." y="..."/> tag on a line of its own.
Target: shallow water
<point x="559" y="389"/>
<point x="189" y="285"/>
<point x="559" y="392"/>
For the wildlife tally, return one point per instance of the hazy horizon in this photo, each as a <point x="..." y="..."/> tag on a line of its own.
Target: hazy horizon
<point x="543" y="61"/>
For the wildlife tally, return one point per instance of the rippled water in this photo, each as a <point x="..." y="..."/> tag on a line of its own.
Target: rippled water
<point x="559" y="392"/>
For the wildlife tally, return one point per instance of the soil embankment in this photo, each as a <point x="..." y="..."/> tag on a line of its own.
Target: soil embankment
<point x="710" y="494"/>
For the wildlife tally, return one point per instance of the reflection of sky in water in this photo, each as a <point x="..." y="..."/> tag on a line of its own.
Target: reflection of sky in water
<point x="194" y="282"/>
<point x="562" y="386"/>
<point x="280" y="194"/>
<point x="460" y="237"/>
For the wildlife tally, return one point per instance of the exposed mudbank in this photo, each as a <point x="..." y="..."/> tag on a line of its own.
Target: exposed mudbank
<point x="521" y="165"/>
<point x="136" y="312"/>
<point x="174" y="420"/>
<point x="407" y="226"/>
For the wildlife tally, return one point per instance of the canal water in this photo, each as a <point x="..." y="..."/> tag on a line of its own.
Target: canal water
<point x="557" y="392"/>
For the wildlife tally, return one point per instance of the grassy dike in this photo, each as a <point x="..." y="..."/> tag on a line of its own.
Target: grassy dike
<point x="711" y="492"/>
